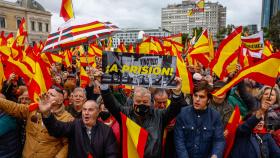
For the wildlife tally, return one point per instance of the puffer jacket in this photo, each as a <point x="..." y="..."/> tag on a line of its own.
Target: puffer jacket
<point x="154" y="122"/>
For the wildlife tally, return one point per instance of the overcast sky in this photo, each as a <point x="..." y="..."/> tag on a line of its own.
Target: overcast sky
<point x="146" y="13"/>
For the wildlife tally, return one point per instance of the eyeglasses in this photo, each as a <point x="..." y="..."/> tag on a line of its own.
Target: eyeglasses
<point x="59" y="90"/>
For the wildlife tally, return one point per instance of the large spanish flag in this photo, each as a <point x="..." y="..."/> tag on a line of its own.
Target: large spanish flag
<point x="134" y="138"/>
<point x="66" y="10"/>
<point x="264" y="72"/>
<point x="231" y="127"/>
<point x="228" y="50"/>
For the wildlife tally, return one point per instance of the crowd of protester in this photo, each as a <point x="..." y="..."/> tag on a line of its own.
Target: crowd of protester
<point x="70" y="121"/>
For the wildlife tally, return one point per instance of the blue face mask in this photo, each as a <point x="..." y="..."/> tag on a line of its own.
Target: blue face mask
<point x="141" y="109"/>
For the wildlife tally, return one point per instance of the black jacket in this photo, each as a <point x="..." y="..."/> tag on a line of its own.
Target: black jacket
<point x="103" y="143"/>
<point x="246" y="143"/>
<point x="154" y="122"/>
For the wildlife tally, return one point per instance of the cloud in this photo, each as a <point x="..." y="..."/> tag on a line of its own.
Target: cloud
<point x="146" y="13"/>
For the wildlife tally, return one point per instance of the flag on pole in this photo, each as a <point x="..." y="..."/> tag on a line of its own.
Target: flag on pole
<point x="134" y="138"/>
<point x="66" y="10"/>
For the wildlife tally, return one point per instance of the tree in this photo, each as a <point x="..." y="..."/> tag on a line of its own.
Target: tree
<point x="274" y="30"/>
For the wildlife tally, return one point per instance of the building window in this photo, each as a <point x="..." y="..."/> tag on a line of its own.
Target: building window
<point x="18" y="22"/>
<point x="40" y="26"/>
<point x="33" y="26"/>
<point x="47" y="27"/>
<point x="2" y="22"/>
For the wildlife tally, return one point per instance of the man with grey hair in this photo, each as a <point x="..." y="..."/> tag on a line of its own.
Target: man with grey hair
<point x="152" y="120"/>
<point x="78" y="99"/>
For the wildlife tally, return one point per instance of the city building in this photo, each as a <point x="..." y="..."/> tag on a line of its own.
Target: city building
<point x="269" y="9"/>
<point x="174" y="17"/>
<point x="130" y="35"/>
<point x="38" y="20"/>
<point x="252" y="29"/>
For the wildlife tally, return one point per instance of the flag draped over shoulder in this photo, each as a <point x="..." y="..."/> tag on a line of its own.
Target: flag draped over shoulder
<point x="231" y="127"/>
<point x="66" y="10"/>
<point x="227" y="52"/>
<point x="134" y="138"/>
<point x="264" y="72"/>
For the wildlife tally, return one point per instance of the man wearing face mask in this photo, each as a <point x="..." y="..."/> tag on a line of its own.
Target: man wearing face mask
<point x="152" y="120"/>
<point x="109" y="120"/>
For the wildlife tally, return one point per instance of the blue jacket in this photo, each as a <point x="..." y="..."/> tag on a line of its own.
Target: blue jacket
<point x="246" y="144"/>
<point x="199" y="134"/>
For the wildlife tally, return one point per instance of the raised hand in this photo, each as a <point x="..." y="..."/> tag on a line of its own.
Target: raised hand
<point x="178" y="89"/>
<point x="45" y="104"/>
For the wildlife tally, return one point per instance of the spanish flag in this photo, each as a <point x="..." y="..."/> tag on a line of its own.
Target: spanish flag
<point x="41" y="80"/>
<point x="66" y="10"/>
<point x="67" y="58"/>
<point x="87" y="60"/>
<point x="21" y="33"/>
<point x="190" y="12"/>
<point x="54" y="58"/>
<point x="175" y="49"/>
<point x="134" y="138"/>
<point x="268" y="49"/>
<point x="231" y="127"/>
<point x="227" y="52"/>
<point x="264" y="72"/>
<point x="151" y="45"/>
<point x="95" y="50"/>
<point x="130" y="49"/>
<point x="121" y="48"/>
<point x="200" y="50"/>
<point x="84" y="78"/>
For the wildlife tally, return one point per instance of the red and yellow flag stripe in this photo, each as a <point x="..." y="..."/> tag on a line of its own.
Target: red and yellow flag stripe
<point x="134" y="138"/>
